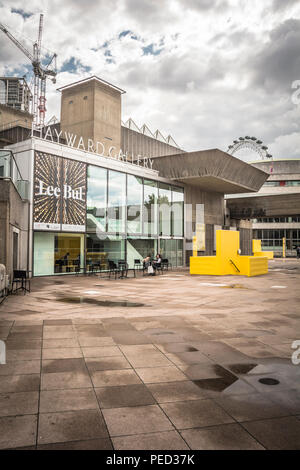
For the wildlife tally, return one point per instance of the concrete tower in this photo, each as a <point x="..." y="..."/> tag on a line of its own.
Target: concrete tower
<point x="91" y="108"/>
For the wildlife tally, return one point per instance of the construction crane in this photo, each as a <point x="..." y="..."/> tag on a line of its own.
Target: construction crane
<point x="40" y="74"/>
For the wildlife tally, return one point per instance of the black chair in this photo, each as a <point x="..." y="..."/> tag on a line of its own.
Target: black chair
<point x="97" y="267"/>
<point x="123" y="268"/>
<point x="113" y="268"/>
<point x="158" y="267"/>
<point x="138" y="266"/>
<point x="22" y="278"/>
<point x="77" y="269"/>
<point x="166" y="264"/>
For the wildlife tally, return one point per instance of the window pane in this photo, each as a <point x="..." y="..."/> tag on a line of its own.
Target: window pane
<point x="96" y="198"/>
<point x="134" y="204"/>
<point x="179" y="252"/>
<point x="164" y="209"/>
<point x="150" y="207"/>
<point x="57" y="253"/>
<point x="116" y="201"/>
<point x="177" y="211"/>
<point x="139" y="248"/>
<point x="100" y="250"/>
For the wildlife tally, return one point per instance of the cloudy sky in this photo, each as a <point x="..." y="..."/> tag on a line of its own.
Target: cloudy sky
<point x="204" y="71"/>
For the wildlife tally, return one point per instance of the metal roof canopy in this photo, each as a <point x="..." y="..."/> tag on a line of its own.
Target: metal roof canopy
<point x="94" y="77"/>
<point x="211" y="170"/>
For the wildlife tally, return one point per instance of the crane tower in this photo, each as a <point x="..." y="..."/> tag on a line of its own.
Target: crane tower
<point x="40" y="73"/>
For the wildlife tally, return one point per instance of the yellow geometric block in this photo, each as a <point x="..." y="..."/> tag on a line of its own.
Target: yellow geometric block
<point x="227" y="259"/>
<point x="257" y="251"/>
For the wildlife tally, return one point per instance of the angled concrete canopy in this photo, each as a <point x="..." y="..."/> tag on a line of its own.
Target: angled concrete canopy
<point x="211" y="170"/>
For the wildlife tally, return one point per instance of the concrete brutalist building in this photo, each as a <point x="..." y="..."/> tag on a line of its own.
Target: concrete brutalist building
<point x="101" y="190"/>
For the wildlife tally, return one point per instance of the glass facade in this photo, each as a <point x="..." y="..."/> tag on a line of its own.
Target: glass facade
<point x="150" y="207"/>
<point x="101" y="250"/>
<point x="272" y="239"/>
<point x="139" y="248"/>
<point x="172" y="250"/>
<point x="165" y="204"/>
<point x="282" y="183"/>
<point x="177" y="211"/>
<point x="96" y="199"/>
<point x="57" y="253"/>
<point x="116" y="202"/>
<point x="134" y="204"/>
<point x="127" y="218"/>
<point x="276" y="220"/>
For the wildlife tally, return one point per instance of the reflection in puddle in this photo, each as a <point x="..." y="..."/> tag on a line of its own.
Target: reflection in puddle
<point x="100" y="303"/>
<point x="269" y="381"/>
<point x="235" y="286"/>
<point x="163" y="333"/>
<point x="241" y="368"/>
<point x="215" y="385"/>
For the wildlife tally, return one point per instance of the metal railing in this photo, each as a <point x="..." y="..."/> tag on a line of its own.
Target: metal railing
<point x="9" y="170"/>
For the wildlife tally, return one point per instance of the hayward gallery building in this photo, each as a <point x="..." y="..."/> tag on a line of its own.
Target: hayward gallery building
<point x="90" y="189"/>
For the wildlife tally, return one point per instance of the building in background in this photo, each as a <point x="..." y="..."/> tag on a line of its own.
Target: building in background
<point x="275" y="209"/>
<point x="15" y="93"/>
<point x="15" y="105"/>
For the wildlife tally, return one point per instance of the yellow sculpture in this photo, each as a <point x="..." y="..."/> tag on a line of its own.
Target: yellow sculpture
<point x="227" y="259"/>
<point x="256" y="248"/>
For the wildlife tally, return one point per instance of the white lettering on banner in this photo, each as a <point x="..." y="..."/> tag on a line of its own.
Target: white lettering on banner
<point x="68" y="193"/>
<point x="91" y="146"/>
<point x="98" y="148"/>
<point x="49" y="133"/>
<point x="57" y="134"/>
<point x="110" y="151"/>
<point x="70" y="138"/>
<point x="81" y="144"/>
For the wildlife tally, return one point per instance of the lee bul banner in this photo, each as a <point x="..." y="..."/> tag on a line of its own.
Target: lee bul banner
<point x="59" y="193"/>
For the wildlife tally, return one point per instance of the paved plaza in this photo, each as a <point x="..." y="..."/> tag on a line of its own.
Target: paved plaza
<point x="165" y="362"/>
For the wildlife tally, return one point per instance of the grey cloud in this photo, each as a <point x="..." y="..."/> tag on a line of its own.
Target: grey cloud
<point x="204" y="5"/>
<point x="278" y="63"/>
<point x="150" y="12"/>
<point x="280" y="5"/>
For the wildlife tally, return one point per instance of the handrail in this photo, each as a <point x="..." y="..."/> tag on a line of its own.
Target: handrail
<point x="234" y="265"/>
<point x="11" y="155"/>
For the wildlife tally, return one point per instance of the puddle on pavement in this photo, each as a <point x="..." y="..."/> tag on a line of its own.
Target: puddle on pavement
<point x="163" y="333"/>
<point x="214" y="385"/>
<point x="235" y="286"/>
<point x="269" y="381"/>
<point x="99" y="303"/>
<point x="241" y="368"/>
<point x="226" y="379"/>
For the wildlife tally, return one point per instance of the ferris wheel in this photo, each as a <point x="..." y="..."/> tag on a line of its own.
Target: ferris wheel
<point x="251" y="143"/>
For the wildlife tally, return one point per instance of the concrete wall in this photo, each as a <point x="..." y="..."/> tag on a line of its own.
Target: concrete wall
<point x="276" y="168"/>
<point x="92" y="110"/>
<point x="15" y="125"/>
<point x="213" y="215"/>
<point x="14" y="214"/>
<point x="10" y="115"/>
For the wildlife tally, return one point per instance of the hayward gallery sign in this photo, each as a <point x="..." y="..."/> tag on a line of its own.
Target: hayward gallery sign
<point x="73" y="141"/>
